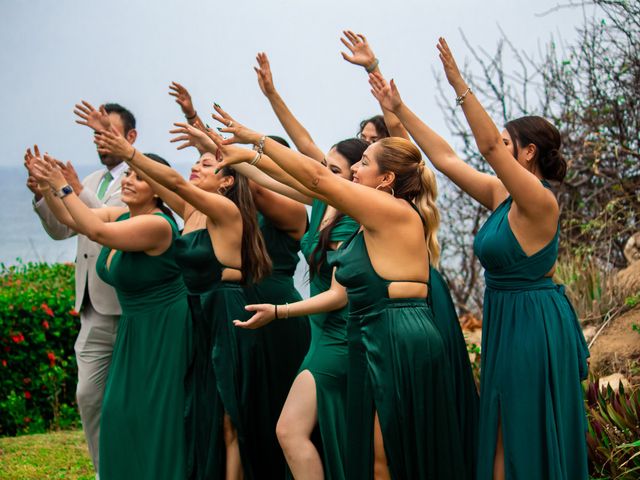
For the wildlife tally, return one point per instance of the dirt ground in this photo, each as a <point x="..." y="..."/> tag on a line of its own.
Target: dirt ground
<point x="617" y="348"/>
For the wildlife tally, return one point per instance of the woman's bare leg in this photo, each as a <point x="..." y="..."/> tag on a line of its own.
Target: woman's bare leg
<point x="298" y="419"/>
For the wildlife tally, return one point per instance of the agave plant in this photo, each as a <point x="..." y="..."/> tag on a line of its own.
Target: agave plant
<point x="613" y="436"/>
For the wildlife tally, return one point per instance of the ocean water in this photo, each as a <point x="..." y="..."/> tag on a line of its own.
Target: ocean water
<point x="23" y="239"/>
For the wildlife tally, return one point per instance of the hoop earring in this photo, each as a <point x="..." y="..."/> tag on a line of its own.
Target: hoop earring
<point x="393" y="192"/>
<point x="222" y="191"/>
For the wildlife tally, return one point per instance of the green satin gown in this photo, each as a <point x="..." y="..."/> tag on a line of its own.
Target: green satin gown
<point x="327" y="358"/>
<point x="280" y="348"/>
<point x="202" y="274"/>
<point x="399" y="368"/>
<point x="142" y="429"/>
<point x="230" y="368"/>
<point x="465" y="392"/>
<point x="533" y="357"/>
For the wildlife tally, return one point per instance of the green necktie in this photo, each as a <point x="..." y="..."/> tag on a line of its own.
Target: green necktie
<point x="104" y="184"/>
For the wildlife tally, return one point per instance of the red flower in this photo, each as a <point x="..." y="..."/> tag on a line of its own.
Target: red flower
<point x="17" y="338"/>
<point x="27" y="394"/>
<point x="47" y="310"/>
<point x="26" y="419"/>
<point x="73" y="312"/>
<point x="26" y="380"/>
<point x="34" y="308"/>
<point x="4" y="363"/>
<point x="45" y="324"/>
<point x="52" y="358"/>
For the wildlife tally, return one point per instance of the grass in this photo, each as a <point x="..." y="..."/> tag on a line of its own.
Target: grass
<point x="57" y="455"/>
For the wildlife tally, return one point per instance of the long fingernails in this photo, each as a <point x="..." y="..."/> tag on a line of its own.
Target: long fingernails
<point x="219" y="129"/>
<point x="216" y="105"/>
<point x="215" y="172"/>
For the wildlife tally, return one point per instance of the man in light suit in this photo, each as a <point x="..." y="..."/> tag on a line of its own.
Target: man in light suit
<point x="95" y="300"/>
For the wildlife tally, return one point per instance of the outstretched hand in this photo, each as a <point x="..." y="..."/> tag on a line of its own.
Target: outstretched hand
<point x="92" y="118"/>
<point x="263" y="70"/>
<point x="183" y="98"/>
<point x="110" y="142"/>
<point x="45" y="169"/>
<point x="190" y="136"/>
<point x="451" y="70"/>
<point x="361" y="53"/>
<point x="265" y="314"/>
<point x="386" y="93"/>
<point x="241" y="134"/>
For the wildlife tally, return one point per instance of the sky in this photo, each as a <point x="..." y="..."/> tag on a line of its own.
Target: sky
<point x="55" y="53"/>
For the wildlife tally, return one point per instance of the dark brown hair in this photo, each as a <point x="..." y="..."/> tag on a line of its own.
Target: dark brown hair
<point x="546" y="138"/>
<point x="414" y="182"/>
<point x="378" y="123"/>
<point x="352" y="150"/>
<point x="159" y="203"/>
<point x="256" y="264"/>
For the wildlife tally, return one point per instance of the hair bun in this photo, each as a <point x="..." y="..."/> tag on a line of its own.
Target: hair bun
<point x="553" y="165"/>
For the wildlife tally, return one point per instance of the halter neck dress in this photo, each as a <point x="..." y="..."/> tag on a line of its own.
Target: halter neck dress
<point x="142" y="432"/>
<point x="235" y="384"/>
<point x="533" y="358"/>
<point x="398" y="367"/>
<point x="202" y="273"/>
<point x="284" y="342"/>
<point x="327" y="358"/>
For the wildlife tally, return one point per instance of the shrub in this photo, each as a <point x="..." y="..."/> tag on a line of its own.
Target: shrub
<point x="38" y="328"/>
<point x="613" y="436"/>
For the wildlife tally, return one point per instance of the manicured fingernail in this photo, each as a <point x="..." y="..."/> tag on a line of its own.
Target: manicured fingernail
<point x="219" y="129"/>
<point x="216" y="105"/>
<point x="216" y="171"/>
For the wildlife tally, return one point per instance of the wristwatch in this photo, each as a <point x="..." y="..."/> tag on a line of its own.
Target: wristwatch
<point x="64" y="191"/>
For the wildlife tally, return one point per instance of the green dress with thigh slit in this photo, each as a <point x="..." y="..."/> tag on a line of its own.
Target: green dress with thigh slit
<point x="280" y="347"/>
<point x="533" y="357"/>
<point x="327" y="358"/>
<point x="142" y="430"/>
<point x="399" y="368"/>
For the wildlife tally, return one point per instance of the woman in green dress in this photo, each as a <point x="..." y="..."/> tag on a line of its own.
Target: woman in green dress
<point x="319" y="394"/>
<point x="283" y="222"/>
<point x="401" y="418"/>
<point x="323" y="373"/>
<point x="142" y="432"/>
<point x="221" y="245"/>
<point x="532" y="420"/>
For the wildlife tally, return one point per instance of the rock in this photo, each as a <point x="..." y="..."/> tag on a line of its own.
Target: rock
<point x="589" y="332"/>
<point x="614" y="380"/>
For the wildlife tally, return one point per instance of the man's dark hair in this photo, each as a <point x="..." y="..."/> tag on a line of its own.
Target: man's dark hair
<point x="128" y="120"/>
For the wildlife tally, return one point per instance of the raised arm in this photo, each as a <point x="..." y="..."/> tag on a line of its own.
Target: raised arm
<point x="486" y="189"/>
<point x="268" y="174"/>
<point x="149" y="233"/>
<point x="296" y="131"/>
<point x="528" y="193"/>
<point x="183" y="98"/>
<point x="368" y="206"/>
<point x="363" y="56"/>
<point x="333" y="299"/>
<point x="218" y="208"/>
<point x="287" y="215"/>
<point x="121" y="148"/>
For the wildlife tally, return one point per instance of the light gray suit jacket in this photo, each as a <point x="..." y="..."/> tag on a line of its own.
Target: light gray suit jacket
<point x="102" y="296"/>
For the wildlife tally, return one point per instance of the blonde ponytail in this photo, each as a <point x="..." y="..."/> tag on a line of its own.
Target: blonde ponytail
<point x="426" y="203"/>
<point x="415" y="182"/>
